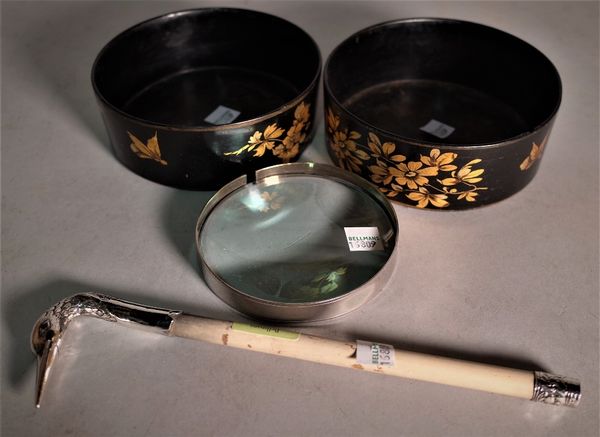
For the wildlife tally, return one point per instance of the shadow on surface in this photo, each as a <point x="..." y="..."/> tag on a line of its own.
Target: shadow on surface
<point x="479" y="356"/>
<point x="179" y="215"/>
<point x="22" y="312"/>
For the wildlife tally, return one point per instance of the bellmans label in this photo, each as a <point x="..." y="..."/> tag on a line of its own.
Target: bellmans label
<point x="374" y="353"/>
<point x="363" y="238"/>
<point x="265" y="330"/>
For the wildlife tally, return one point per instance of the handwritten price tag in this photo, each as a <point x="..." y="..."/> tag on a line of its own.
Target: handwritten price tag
<point x="437" y="129"/>
<point x="363" y="238"/>
<point x="222" y="115"/>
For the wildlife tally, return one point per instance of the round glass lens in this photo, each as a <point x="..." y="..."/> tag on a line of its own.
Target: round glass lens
<point x="297" y="238"/>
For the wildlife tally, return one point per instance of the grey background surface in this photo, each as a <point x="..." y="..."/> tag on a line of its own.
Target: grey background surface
<point x="515" y="283"/>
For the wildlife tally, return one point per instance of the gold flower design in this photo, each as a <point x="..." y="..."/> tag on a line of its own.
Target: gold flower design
<point x="441" y="161"/>
<point x="325" y="282"/>
<point x="383" y="150"/>
<point x="302" y="113"/>
<point x="345" y="149"/>
<point x="469" y="196"/>
<point x="465" y="175"/>
<point x="290" y="146"/>
<point x="380" y="173"/>
<point x="396" y="176"/>
<point x="535" y="154"/>
<point x="424" y="197"/>
<point x="272" y="201"/>
<point x="393" y="192"/>
<point x="344" y="146"/>
<point x="267" y="142"/>
<point x="150" y="150"/>
<point x="412" y="175"/>
<point x="285" y="149"/>
<point x="333" y="121"/>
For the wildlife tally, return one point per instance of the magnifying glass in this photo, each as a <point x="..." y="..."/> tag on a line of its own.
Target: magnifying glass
<point x="302" y="242"/>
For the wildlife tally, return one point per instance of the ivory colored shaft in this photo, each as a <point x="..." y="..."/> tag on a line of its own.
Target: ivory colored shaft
<point x="412" y="365"/>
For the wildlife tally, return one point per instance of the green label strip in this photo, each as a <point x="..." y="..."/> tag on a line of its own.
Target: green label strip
<point x="264" y="330"/>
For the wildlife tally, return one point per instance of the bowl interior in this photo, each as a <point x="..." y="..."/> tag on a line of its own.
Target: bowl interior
<point x="482" y="85"/>
<point x="179" y="68"/>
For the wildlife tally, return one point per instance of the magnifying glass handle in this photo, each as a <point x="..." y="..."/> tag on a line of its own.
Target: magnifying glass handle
<point x="48" y="330"/>
<point x="383" y="359"/>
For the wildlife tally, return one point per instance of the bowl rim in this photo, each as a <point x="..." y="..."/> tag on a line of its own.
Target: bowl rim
<point x="229" y="126"/>
<point x="296" y="169"/>
<point x="431" y="144"/>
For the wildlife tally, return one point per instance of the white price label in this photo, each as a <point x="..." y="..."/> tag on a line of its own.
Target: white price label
<point x="222" y="115"/>
<point x="363" y="238"/>
<point x="437" y="129"/>
<point x="374" y="353"/>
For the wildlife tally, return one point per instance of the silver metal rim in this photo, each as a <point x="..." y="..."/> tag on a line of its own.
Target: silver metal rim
<point x="296" y="312"/>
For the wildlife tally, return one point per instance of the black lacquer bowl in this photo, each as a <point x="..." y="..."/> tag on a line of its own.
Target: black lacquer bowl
<point x="195" y="98"/>
<point x="440" y="113"/>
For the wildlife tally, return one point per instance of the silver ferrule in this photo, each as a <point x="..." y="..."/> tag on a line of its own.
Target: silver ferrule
<point x="556" y="390"/>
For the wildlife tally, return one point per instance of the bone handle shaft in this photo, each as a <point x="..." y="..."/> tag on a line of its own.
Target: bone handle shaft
<point x="412" y="365"/>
